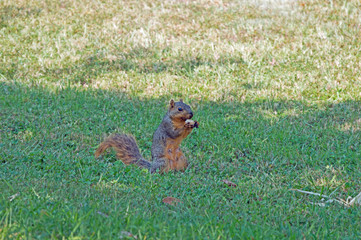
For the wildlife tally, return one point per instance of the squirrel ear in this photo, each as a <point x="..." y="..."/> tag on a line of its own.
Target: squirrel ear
<point x="181" y="100"/>
<point x="171" y="103"/>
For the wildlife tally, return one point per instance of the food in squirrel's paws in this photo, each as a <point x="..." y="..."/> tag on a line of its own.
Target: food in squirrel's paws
<point x="192" y="123"/>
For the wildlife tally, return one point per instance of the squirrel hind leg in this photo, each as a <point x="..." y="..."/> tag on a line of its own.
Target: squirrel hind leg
<point x="160" y="165"/>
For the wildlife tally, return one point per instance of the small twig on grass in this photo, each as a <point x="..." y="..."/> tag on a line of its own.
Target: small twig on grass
<point x="310" y="193"/>
<point x="354" y="201"/>
<point x="12" y="197"/>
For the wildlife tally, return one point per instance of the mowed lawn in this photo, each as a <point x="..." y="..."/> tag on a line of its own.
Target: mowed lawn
<point x="275" y="85"/>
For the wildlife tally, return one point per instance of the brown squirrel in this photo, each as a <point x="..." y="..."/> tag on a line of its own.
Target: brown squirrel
<point x="166" y="155"/>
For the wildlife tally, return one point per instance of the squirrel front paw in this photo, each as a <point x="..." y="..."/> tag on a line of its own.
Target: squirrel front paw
<point x="191" y="124"/>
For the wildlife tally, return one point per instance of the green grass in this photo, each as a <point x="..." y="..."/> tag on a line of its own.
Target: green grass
<point x="276" y="88"/>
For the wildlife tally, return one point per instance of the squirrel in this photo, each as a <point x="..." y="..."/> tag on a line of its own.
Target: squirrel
<point x="166" y="155"/>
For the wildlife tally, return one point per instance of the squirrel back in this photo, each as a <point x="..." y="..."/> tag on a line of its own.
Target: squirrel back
<point x="166" y="155"/>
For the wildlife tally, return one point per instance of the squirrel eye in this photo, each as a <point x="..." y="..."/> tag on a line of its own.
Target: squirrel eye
<point x="180" y="109"/>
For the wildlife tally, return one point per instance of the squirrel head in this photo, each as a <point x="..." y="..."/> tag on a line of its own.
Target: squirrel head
<point x="179" y="110"/>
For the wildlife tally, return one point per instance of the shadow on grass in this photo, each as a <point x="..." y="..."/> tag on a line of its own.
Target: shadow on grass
<point x="289" y="132"/>
<point x="266" y="147"/>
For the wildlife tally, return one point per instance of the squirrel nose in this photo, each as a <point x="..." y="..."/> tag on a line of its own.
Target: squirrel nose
<point x="191" y="113"/>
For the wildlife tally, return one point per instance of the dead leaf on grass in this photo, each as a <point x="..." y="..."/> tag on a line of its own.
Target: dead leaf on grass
<point x="171" y="201"/>
<point x="229" y="183"/>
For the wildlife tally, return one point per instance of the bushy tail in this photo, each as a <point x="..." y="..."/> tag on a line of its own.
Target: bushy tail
<point x="126" y="148"/>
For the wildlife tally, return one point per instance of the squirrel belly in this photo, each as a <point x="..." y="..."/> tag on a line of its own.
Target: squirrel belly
<point x="166" y="154"/>
<point x="177" y="161"/>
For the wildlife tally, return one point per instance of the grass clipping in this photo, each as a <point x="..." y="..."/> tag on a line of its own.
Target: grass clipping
<point x="349" y="202"/>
